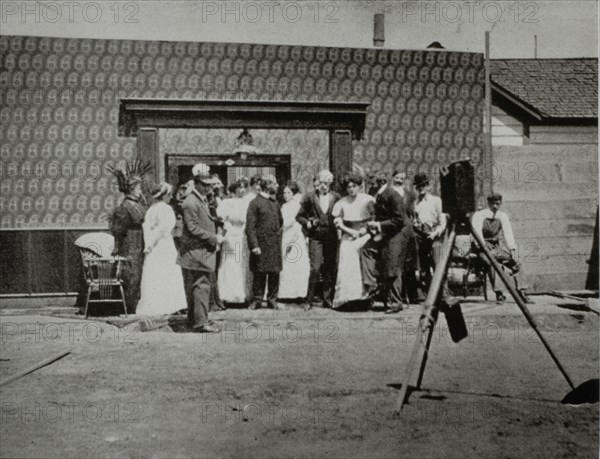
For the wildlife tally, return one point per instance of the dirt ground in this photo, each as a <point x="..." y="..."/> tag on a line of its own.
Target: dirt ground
<point x="296" y="384"/>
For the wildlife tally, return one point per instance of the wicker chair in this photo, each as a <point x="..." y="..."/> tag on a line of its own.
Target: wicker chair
<point x="103" y="272"/>
<point x="467" y="272"/>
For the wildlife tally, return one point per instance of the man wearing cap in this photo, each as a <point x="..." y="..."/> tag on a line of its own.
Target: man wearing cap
<point x="429" y="225"/>
<point x="264" y="224"/>
<point x="317" y="222"/>
<point x="493" y="226"/>
<point x="197" y="255"/>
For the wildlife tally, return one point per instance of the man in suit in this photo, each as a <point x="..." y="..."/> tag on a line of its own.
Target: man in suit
<point x="264" y="224"/>
<point x="409" y="261"/>
<point x="317" y="222"/>
<point x="197" y="255"/>
<point x="393" y="228"/>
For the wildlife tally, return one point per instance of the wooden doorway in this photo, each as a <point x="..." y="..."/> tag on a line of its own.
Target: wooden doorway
<point x="178" y="167"/>
<point x="142" y="118"/>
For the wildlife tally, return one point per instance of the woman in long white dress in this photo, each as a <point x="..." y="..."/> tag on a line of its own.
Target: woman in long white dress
<point x="351" y="214"/>
<point x="293" y="279"/>
<point x="162" y="289"/>
<point x="234" y="278"/>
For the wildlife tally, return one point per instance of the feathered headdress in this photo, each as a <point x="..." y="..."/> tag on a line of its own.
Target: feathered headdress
<point x="132" y="174"/>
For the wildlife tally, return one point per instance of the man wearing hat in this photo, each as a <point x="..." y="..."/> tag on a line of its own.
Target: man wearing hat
<point x="197" y="254"/>
<point x="395" y="243"/>
<point x="264" y="224"/>
<point x="493" y="226"/>
<point x="429" y="225"/>
<point x="317" y="222"/>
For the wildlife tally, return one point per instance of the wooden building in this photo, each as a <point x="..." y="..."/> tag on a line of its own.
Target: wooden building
<point x="545" y="156"/>
<point x="72" y="106"/>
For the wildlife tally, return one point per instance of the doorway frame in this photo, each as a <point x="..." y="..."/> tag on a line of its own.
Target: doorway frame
<point x="142" y="118"/>
<point x="279" y="162"/>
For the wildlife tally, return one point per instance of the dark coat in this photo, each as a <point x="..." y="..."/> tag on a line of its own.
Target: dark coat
<point x="126" y="226"/>
<point x="264" y="225"/>
<point x="391" y="213"/>
<point x="198" y="243"/>
<point x="408" y="257"/>
<point x="310" y="209"/>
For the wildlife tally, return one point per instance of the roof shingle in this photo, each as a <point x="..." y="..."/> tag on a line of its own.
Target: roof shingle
<point x="557" y="88"/>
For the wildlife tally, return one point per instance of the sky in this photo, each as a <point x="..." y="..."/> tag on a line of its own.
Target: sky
<point x="563" y="28"/>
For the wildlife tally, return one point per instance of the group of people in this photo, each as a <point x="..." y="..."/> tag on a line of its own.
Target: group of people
<point x="379" y="241"/>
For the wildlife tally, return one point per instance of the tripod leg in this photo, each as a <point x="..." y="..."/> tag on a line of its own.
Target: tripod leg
<point x="428" y="315"/>
<point x="409" y="368"/>
<point x="426" y="351"/>
<point x="519" y="300"/>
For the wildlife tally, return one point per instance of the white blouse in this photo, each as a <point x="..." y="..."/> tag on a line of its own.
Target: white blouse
<point x="353" y="210"/>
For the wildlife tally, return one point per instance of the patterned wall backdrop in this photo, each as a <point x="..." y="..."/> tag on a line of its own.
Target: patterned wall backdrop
<point x="60" y="102"/>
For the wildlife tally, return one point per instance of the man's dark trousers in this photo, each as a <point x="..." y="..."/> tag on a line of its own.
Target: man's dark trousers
<point x="323" y="260"/>
<point x="258" y="288"/>
<point x="198" y="288"/>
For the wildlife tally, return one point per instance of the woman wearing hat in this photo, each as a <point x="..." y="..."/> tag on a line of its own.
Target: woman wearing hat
<point x="162" y="282"/>
<point x="126" y="226"/>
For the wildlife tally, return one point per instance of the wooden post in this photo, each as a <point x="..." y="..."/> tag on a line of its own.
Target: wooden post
<point x="29" y="263"/>
<point x="65" y="257"/>
<point x="148" y="150"/>
<point x="340" y="153"/>
<point x="489" y="160"/>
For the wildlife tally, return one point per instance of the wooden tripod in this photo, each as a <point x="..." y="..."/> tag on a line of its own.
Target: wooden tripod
<point x="431" y="307"/>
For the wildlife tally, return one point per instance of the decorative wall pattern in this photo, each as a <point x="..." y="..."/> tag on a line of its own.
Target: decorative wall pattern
<point x="60" y="100"/>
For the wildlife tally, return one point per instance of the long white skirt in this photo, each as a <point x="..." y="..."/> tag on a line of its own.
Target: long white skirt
<point x="234" y="279"/>
<point x="349" y="283"/>
<point x="293" y="279"/>
<point x="162" y="290"/>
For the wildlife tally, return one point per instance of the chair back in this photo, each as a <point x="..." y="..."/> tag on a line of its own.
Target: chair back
<point x="102" y="271"/>
<point x="108" y="271"/>
<point x="462" y="246"/>
<point x="103" y="274"/>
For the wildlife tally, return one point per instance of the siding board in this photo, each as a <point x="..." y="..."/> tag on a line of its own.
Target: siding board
<point x="551" y="195"/>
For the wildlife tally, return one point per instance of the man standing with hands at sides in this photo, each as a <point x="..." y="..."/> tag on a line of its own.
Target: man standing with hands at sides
<point x="264" y="224"/>
<point x="316" y="218"/>
<point x="197" y="254"/>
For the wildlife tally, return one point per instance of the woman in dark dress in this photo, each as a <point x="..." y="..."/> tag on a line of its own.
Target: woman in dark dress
<point x="126" y="226"/>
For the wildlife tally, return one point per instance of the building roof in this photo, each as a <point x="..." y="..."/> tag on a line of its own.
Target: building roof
<point x="550" y="88"/>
